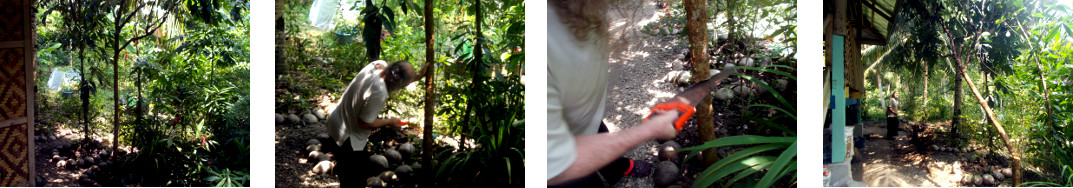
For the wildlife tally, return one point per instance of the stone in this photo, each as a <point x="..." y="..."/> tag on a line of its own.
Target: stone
<point x="393" y="156"/>
<point x="312" y="148"/>
<point x="404" y="170"/>
<point x="293" y="119"/>
<point x="746" y="62"/>
<point x="313" y="141"/>
<point x="324" y="136"/>
<point x="407" y="149"/>
<point x="323" y="167"/>
<point x="88" y="161"/>
<point x="61" y="163"/>
<point x="379" y="160"/>
<point x="310" y="118"/>
<point x="314" y="155"/>
<point x="724" y="94"/>
<point x="989" y="180"/>
<point x="324" y="157"/>
<point x="998" y="175"/>
<point x="1007" y="172"/>
<point x="388" y="176"/>
<point x="978" y="181"/>
<point x="967" y="179"/>
<point x="374" y="182"/>
<point x="667" y="173"/>
<point x="96" y="157"/>
<point x="279" y="118"/>
<point x="668" y="151"/>
<point x="50" y="138"/>
<point x="416" y="166"/>
<point x="320" y="114"/>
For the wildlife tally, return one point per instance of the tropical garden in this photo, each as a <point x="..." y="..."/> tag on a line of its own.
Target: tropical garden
<point x="466" y="122"/>
<point x="985" y="89"/>
<point x="142" y="93"/>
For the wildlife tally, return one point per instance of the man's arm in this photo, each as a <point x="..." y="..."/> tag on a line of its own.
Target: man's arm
<point x="595" y="151"/>
<point x="385" y="122"/>
<point x="424" y="68"/>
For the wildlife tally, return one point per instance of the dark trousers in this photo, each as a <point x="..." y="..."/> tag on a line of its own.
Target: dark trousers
<point x="892" y="126"/>
<point x="612" y="172"/>
<point x="352" y="167"/>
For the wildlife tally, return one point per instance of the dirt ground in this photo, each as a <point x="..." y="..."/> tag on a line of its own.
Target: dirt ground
<point x="54" y="147"/>
<point x="895" y="163"/>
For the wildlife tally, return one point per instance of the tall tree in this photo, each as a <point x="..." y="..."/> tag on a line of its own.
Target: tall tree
<point x="960" y="57"/>
<point x="697" y="28"/>
<point x="143" y="18"/>
<point x="429" y="78"/>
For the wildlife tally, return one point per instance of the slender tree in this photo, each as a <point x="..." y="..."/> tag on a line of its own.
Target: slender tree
<point x="129" y="13"/>
<point x="429" y="95"/>
<point x="697" y="28"/>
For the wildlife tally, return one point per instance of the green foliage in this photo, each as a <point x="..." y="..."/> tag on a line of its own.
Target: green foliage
<point x="774" y="154"/>
<point x="228" y="178"/>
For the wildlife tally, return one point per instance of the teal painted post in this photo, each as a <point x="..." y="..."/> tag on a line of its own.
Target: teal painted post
<point x="838" y="84"/>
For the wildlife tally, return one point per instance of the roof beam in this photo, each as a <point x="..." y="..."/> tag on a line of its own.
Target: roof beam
<point x="882" y="13"/>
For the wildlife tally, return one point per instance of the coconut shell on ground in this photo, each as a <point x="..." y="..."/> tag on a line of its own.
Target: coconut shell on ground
<point x="407" y="149"/>
<point x="388" y="176"/>
<point x="324" y="157"/>
<point x="379" y="160"/>
<point x="374" y="182"/>
<point x="668" y="151"/>
<point x="977" y="180"/>
<point x="323" y="167"/>
<point x="667" y="173"/>
<point x="998" y="175"/>
<point x="988" y="179"/>
<point x="404" y="170"/>
<point x="314" y="155"/>
<point x="313" y="141"/>
<point x="416" y="166"/>
<point x="324" y="136"/>
<point x="393" y="156"/>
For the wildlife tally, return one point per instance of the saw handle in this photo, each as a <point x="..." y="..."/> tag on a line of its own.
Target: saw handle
<point x="687" y="111"/>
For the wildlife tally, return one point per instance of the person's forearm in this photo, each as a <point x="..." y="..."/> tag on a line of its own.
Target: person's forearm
<point x="595" y="151"/>
<point x="376" y="123"/>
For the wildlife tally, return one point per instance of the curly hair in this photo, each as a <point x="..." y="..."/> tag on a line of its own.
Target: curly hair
<point x="583" y="17"/>
<point x="397" y="75"/>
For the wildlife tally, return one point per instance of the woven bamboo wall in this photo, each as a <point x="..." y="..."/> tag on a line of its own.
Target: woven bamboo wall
<point x="16" y="120"/>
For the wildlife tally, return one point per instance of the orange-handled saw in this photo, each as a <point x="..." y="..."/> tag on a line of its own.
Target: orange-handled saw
<point x="687" y="100"/>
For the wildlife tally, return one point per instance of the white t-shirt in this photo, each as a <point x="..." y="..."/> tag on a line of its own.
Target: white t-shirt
<point x="362" y="100"/>
<point x="577" y="88"/>
<point x="894" y="105"/>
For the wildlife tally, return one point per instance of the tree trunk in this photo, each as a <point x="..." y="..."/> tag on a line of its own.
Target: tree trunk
<point x="925" y="96"/>
<point x="956" y="121"/>
<point x="1016" y="162"/>
<point x="1046" y="93"/>
<point x="115" y="84"/>
<point x="83" y="94"/>
<point x="429" y="75"/>
<point x="697" y="28"/>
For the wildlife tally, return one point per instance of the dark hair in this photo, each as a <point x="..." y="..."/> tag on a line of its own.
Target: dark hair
<point x="397" y="75"/>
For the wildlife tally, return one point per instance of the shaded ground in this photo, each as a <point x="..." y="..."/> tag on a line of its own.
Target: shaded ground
<point x="896" y="163"/>
<point x="60" y="158"/>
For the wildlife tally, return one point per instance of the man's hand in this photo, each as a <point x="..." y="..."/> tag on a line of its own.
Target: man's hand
<point x="661" y="123"/>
